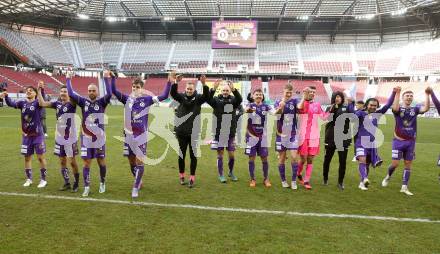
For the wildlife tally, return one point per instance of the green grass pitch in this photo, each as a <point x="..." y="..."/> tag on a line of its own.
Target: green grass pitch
<point x="38" y="225"/>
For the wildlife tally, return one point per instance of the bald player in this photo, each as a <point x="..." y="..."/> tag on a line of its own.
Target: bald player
<point x="92" y="130"/>
<point x="225" y="111"/>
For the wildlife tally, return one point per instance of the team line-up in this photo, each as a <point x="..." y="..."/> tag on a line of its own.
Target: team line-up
<point x="297" y="131"/>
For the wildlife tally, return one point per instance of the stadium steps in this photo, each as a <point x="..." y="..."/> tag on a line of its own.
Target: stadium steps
<point x="354" y="62"/>
<point x="300" y="58"/>
<point x="121" y="56"/>
<point x="328" y="90"/>
<point x="211" y="60"/>
<point x="13" y="86"/>
<point x="170" y="56"/>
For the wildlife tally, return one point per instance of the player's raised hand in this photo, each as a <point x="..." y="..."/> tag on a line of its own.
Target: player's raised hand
<point x="179" y="78"/>
<point x="69" y="74"/>
<point x="397" y="89"/>
<point x="231" y="85"/>
<point x="203" y="79"/>
<point x="40" y="84"/>
<point x="172" y="77"/>
<point x="3" y="94"/>
<point x="106" y="74"/>
<point x="428" y="90"/>
<point x="217" y="83"/>
<point x="250" y="110"/>
<point x="306" y="93"/>
<point x="282" y="104"/>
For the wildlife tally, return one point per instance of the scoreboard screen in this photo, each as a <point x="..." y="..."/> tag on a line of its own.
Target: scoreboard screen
<point x="234" y="34"/>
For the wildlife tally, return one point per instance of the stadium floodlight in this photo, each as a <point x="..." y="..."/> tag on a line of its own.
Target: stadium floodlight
<point x="22" y="5"/>
<point x="304" y="17"/>
<point x="399" y="12"/>
<point x="82" y="16"/>
<point x="169" y="18"/>
<point x="428" y="2"/>
<point x="365" y="17"/>
<point x="115" y="19"/>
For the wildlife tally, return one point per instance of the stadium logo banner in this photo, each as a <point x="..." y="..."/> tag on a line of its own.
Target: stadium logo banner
<point x="234" y="34"/>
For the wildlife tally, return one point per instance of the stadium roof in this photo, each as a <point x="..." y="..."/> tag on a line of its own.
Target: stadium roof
<point x="211" y="8"/>
<point x="194" y="16"/>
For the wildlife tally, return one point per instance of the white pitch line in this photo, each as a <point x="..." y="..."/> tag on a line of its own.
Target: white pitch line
<point x="223" y="209"/>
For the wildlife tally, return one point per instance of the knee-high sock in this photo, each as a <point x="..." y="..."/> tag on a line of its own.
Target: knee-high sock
<point x="133" y="170"/>
<point x="231" y="164"/>
<point x="28" y="173"/>
<point x="362" y="171"/>
<point x="220" y="165"/>
<point x="282" y="170"/>
<point x="86" y="176"/>
<point x="76" y="176"/>
<point x="294" y="170"/>
<point x="43" y="173"/>
<point x="391" y="170"/>
<point x="138" y="177"/>
<point x="265" y="169"/>
<point x="367" y="170"/>
<point x="309" y="170"/>
<point x="65" y="174"/>
<point x="252" y="169"/>
<point x="102" y="173"/>
<point x="300" y="168"/>
<point x="406" y="175"/>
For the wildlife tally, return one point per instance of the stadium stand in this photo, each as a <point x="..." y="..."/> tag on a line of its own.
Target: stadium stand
<point x="342" y="86"/>
<point x="138" y="56"/>
<point x="229" y="58"/>
<point x="276" y="57"/>
<point x="191" y="56"/>
<point x="79" y="84"/>
<point x="49" y="48"/>
<point x="194" y="56"/>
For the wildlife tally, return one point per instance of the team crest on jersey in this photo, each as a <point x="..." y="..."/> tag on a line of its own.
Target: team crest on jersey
<point x="96" y="107"/>
<point x="65" y="109"/>
<point x="291" y="107"/>
<point x="412" y="113"/>
<point x="32" y="108"/>
<point x="58" y="106"/>
<point x="142" y="104"/>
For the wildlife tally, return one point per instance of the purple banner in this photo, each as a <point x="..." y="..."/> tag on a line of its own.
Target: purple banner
<point x="234" y="34"/>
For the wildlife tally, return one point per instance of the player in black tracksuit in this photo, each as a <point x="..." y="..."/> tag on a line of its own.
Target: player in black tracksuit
<point x="337" y="109"/>
<point x="187" y="124"/>
<point x="225" y="121"/>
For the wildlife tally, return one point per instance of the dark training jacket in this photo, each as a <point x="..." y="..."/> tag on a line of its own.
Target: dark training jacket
<point x="219" y="103"/>
<point x="188" y="105"/>
<point x="336" y="112"/>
